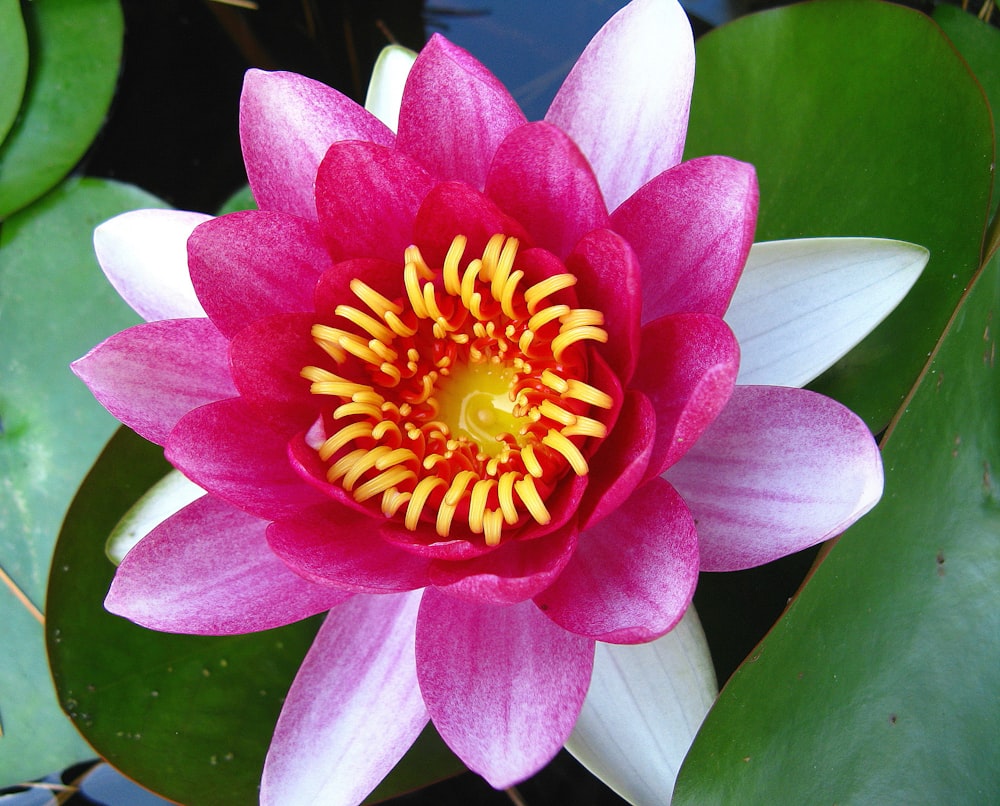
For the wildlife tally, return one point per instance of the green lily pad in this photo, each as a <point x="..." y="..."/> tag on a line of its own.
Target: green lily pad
<point x="13" y="63"/>
<point x="75" y="50"/>
<point x="879" y="683"/>
<point x="242" y="199"/>
<point x="190" y="717"/>
<point x="861" y="120"/>
<point x="56" y="304"/>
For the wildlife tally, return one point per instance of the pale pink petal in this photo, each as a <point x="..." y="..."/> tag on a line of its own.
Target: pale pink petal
<point x="454" y="113"/>
<point x="503" y="685"/>
<point x="539" y="177"/>
<point x="225" y="449"/>
<point x="633" y="574"/>
<point x="620" y="464"/>
<point x="252" y="264"/>
<point x="626" y="101"/>
<point x="353" y="710"/>
<point x="151" y="375"/>
<point x="691" y="228"/>
<point x="367" y="197"/>
<point x="688" y="364"/>
<point x="287" y="123"/>
<point x="208" y="571"/>
<point x="778" y="471"/>
<point x="645" y="705"/>
<point x="144" y="255"/>
<point x="385" y="90"/>
<point x="335" y="545"/>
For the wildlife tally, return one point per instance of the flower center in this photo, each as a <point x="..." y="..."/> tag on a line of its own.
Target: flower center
<point x="467" y="398"/>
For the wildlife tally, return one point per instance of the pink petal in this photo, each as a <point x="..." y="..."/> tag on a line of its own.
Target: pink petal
<point x="539" y="177"/>
<point x="252" y="264"/>
<point x="633" y="575"/>
<point x="225" y="449"/>
<point x="620" y="464"/>
<point x="688" y="365"/>
<point x="453" y="208"/>
<point x="267" y="358"/>
<point x="367" y="197"/>
<point x="151" y="375"/>
<point x="454" y="113"/>
<point x="353" y="710"/>
<point x="207" y="570"/>
<point x="503" y="685"/>
<point x="610" y="281"/>
<point x="335" y="545"/>
<point x="287" y="123"/>
<point x="692" y="228"/>
<point x="144" y="255"/>
<point x="514" y="572"/>
<point x="778" y="471"/>
<point x="625" y="102"/>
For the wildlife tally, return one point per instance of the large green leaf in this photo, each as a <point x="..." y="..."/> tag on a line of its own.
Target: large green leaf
<point x="75" y="48"/>
<point x="13" y="63"/>
<point x="55" y="305"/>
<point x="861" y="120"/>
<point x="879" y="685"/>
<point x="188" y="716"/>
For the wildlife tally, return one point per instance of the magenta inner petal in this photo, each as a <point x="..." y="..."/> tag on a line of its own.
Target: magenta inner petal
<point x="454" y="113"/>
<point x="503" y="685"/>
<point x="252" y="264"/>
<point x="539" y="177"/>
<point x="692" y="228"/>
<point x="367" y="197"/>
<point x="633" y="574"/>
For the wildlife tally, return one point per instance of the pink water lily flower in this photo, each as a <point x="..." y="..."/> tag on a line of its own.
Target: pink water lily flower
<point x="468" y="388"/>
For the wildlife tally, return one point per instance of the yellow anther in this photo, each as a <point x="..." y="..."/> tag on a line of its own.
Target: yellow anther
<point x="399" y="327"/>
<point x="392" y="500"/>
<point x="386" y="427"/>
<point x="586" y="427"/>
<point x="452" y="281"/>
<point x="382" y="482"/>
<point x="578" y="390"/>
<point x="411" y="282"/>
<point x="337" y="387"/>
<point x="505" y="263"/>
<point x="547" y="287"/>
<point x="344" y="436"/>
<point x="359" y="348"/>
<point x="382" y="350"/>
<point x="371" y="325"/>
<point x="446" y="512"/>
<point x="391" y="372"/>
<point x="469" y="281"/>
<point x="396" y="457"/>
<point x="580" y="317"/>
<point x="491" y="256"/>
<point x="357" y="410"/>
<point x="531" y="463"/>
<point x="343" y="464"/>
<point x="418" y="499"/>
<point x="459" y="484"/>
<point x="557" y="413"/>
<point x="555" y="382"/>
<point x="507" y="297"/>
<point x="525" y="488"/>
<point x="362" y="466"/>
<point x="546" y="315"/>
<point x="492" y="524"/>
<point x="430" y="302"/>
<point x="505" y="493"/>
<point x="477" y="503"/>
<point x="378" y="304"/>
<point x="568" y="449"/>
<point x="561" y="342"/>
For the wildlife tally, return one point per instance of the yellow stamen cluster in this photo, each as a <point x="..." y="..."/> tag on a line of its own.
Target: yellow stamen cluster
<point x="465" y="397"/>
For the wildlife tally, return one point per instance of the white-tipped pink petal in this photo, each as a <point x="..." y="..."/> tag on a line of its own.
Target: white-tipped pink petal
<point x="207" y="570"/>
<point x="503" y="685"/>
<point x="354" y="708"/>
<point x="803" y="304"/>
<point x="287" y="123"/>
<point x="626" y="100"/>
<point x="165" y="498"/>
<point x="385" y="90"/>
<point x="645" y="705"/>
<point x="151" y="375"/>
<point x="144" y="255"/>
<point x="778" y="471"/>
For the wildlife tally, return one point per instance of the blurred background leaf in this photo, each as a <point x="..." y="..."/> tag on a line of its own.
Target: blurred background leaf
<point x="56" y="305"/>
<point x="13" y="63"/>
<point x="74" y="52"/>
